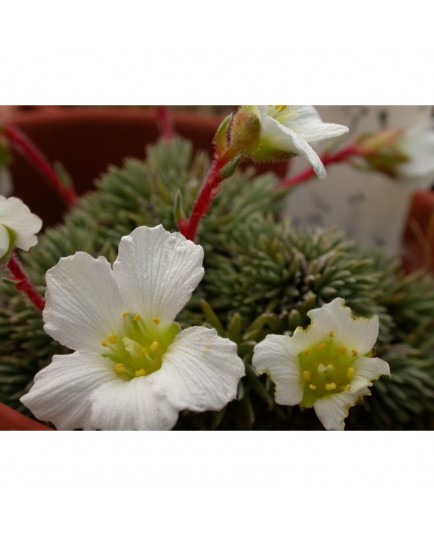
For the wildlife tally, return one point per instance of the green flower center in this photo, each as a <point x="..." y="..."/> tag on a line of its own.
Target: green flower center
<point x="281" y="113"/>
<point x="327" y="369"/>
<point x="139" y="347"/>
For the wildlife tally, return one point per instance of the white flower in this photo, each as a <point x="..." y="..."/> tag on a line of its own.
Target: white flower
<point x="285" y="131"/>
<point x="417" y="144"/>
<point x="325" y="366"/>
<point x="132" y="369"/>
<point x="5" y="181"/>
<point x="18" y="226"/>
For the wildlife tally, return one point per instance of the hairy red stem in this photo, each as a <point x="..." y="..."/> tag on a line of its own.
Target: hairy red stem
<point x="344" y="154"/>
<point x="23" y="284"/>
<point x="206" y="195"/>
<point x="34" y="156"/>
<point x="165" y="124"/>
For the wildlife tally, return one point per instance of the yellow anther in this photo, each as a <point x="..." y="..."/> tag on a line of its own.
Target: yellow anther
<point x="125" y="314"/>
<point x="154" y="346"/>
<point x="347" y="387"/>
<point x="137" y="318"/>
<point x="350" y="372"/>
<point x="321" y="346"/>
<point x="112" y="338"/>
<point x="281" y="107"/>
<point x="330" y="386"/>
<point x="156" y="320"/>
<point x="104" y="343"/>
<point x="306" y="352"/>
<point x="354" y="353"/>
<point x="331" y="334"/>
<point x="307" y="375"/>
<point x="312" y="386"/>
<point x="342" y="350"/>
<point x="120" y="368"/>
<point x="141" y="372"/>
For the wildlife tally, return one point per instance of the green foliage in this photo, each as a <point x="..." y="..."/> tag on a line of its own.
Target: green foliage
<point x="261" y="277"/>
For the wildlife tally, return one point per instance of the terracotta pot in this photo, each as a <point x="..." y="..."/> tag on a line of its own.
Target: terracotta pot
<point x="418" y="238"/>
<point x="12" y="420"/>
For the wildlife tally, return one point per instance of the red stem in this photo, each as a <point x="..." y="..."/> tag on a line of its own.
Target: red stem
<point x="344" y="154"/>
<point x="23" y="284"/>
<point x="34" y="156"/>
<point x="202" y="204"/>
<point x="164" y="121"/>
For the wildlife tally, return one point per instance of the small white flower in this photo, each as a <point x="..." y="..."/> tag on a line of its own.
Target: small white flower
<point x="286" y="131"/>
<point x="325" y="366"/>
<point x="132" y="369"/>
<point x="18" y="226"/>
<point x="417" y="144"/>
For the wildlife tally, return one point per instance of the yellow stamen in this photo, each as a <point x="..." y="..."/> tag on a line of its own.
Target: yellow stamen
<point x="347" y="387"/>
<point x="312" y="386"/>
<point x="120" y="369"/>
<point x="137" y="318"/>
<point x="330" y="386"/>
<point x="141" y="372"/>
<point x="354" y="353"/>
<point x="281" y="107"/>
<point x="104" y="343"/>
<point x="342" y="350"/>
<point x="307" y="375"/>
<point x="306" y="352"/>
<point x="321" y="346"/>
<point x="156" y="320"/>
<point x="331" y="334"/>
<point x="112" y="338"/>
<point x="350" y="373"/>
<point x="125" y="314"/>
<point x="154" y="346"/>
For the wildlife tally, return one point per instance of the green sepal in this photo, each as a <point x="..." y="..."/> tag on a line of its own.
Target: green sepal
<point x="179" y="208"/>
<point x="12" y="240"/>
<point x="229" y="169"/>
<point x="220" y="138"/>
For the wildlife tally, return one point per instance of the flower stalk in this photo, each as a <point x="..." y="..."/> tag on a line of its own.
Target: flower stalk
<point x="165" y="123"/>
<point x="35" y="157"/>
<point x="23" y="284"/>
<point x="207" y="193"/>
<point x="344" y="154"/>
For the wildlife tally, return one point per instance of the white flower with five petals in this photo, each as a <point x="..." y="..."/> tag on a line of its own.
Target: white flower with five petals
<point x="282" y="132"/>
<point x="326" y="366"/>
<point x="132" y="368"/>
<point x="18" y="226"/>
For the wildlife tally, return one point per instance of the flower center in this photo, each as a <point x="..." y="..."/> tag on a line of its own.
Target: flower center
<point x="327" y="369"/>
<point x="281" y="113"/>
<point x="139" y="347"/>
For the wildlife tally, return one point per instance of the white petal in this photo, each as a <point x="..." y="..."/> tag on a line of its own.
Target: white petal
<point x="308" y="124"/>
<point x="332" y="410"/>
<point x="17" y="216"/>
<point x="83" y="303"/>
<point x="356" y="333"/>
<point x="275" y="355"/>
<point x="5" y="241"/>
<point x="418" y="143"/>
<point x="367" y="369"/>
<point x="131" y="405"/>
<point x="61" y="391"/>
<point x="200" y="371"/>
<point x="283" y="138"/>
<point x="157" y="272"/>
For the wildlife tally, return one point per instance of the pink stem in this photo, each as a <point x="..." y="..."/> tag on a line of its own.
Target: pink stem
<point x="164" y="121"/>
<point x="203" y="202"/>
<point x="344" y="154"/>
<point x="34" y="156"/>
<point x="23" y="284"/>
